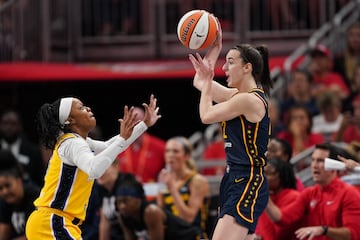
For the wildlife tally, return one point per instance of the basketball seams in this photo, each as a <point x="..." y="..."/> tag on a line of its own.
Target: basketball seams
<point x="200" y="32"/>
<point x="212" y="29"/>
<point x="197" y="29"/>
<point x="189" y="22"/>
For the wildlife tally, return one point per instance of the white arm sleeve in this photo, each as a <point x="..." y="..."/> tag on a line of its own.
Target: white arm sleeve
<point x="77" y="151"/>
<point x="97" y="146"/>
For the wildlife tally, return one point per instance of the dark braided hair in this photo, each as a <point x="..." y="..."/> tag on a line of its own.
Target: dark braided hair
<point x="47" y="124"/>
<point x="285" y="171"/>
<point x="285" y="147"/>
<point x="259" y="59"/>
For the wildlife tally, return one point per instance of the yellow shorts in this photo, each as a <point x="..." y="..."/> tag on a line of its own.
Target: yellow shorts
<point x="44" y="224"/>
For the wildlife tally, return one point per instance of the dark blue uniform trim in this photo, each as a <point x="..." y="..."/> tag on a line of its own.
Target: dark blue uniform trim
<point x="66" y="182"/>
<point x="60" y="232"/>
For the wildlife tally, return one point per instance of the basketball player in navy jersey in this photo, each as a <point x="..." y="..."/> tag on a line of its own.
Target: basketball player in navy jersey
<point x="242" y="109"/>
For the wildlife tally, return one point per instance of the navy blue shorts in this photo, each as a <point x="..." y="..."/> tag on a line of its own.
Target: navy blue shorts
<point x="244" y="194"/>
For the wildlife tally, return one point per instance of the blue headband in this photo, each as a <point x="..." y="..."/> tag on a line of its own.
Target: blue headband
<point x="127" y="191"/>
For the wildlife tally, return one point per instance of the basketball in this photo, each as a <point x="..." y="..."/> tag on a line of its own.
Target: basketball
<point x="197" y="29"/>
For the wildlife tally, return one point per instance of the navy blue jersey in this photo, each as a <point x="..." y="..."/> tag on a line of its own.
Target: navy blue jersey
<point x="184" y="191"/>
<point x="246" y="142"/>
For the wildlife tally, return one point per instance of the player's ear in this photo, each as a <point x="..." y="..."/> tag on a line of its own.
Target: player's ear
<point x="248" y="67"/>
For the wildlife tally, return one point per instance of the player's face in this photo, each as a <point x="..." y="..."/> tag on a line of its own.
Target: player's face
<point x="81" y="116"/>
<point x="10" y="126"/>
<point x="234" y="67"/>
<point x="128" y="206"/>
<point x="319" y="174"/>
<point x="175" y="155"/>
<point x="274" y="150"/>
<point x="300" y="119"/>
<point x="273" y="178"/>
<point x="353" y="36"/>
<point x="11" y="189"/>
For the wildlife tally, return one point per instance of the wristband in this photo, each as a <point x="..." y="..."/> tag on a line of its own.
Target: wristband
<point x="325" y="229"/>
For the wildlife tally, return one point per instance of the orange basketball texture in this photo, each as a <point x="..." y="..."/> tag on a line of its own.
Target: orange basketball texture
<point x="197" y="29"/>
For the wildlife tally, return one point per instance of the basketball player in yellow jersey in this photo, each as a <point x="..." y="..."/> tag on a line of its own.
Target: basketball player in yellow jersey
<point x="76" y="161"/>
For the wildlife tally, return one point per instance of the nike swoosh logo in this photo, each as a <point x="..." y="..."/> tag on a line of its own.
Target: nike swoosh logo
<point x="239" y="180"/>
<point x="199" y="35"/>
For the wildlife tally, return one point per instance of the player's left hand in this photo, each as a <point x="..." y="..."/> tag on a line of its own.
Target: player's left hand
<point x="151" y="112"/>
<point x="204" y="69"/>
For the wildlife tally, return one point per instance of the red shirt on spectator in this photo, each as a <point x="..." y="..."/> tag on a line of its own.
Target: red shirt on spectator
<point x="330" y="79"/>
<point x="351" y="134"/>
<point x="267" y="229"/>
<point x="334" y="205"/>
<point x="147" y="161"/>
<point x="311" y="140"/>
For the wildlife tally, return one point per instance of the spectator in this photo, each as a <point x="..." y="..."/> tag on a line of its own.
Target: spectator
<point x="351" y="161"/>
<point x="282" y="184"/>
<point x="144" y="157"/>
<point x="109" y="227"/>
<point x="354" y="149"/>
<point x="298" y="132"/>
<point x="350" y="126"/>
<point x="329" y="120"/>
<point x="281" y="149"/>
<point x="16" y="197"/>
<point x="187" y="191"/>
<point x="299" y="93"/>
<point x="346" y="62"/>
<point x="143" y="220"/>
<point x="323" y="75"/>
<point x="328" y="210"/>
<point x="12" y="137"/>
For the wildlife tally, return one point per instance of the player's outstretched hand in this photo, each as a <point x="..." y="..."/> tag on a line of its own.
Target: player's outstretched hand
<point x="151" y="112"/>
<point x="128" y="122"/>
<point x="204" y="69"/>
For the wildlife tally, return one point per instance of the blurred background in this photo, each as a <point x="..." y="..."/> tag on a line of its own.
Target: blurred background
<point x="115" y="52"/>
<point x="126" y="49"/>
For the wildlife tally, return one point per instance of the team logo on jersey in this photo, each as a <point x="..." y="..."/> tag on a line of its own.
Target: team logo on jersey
<point x="227" y="145"/>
